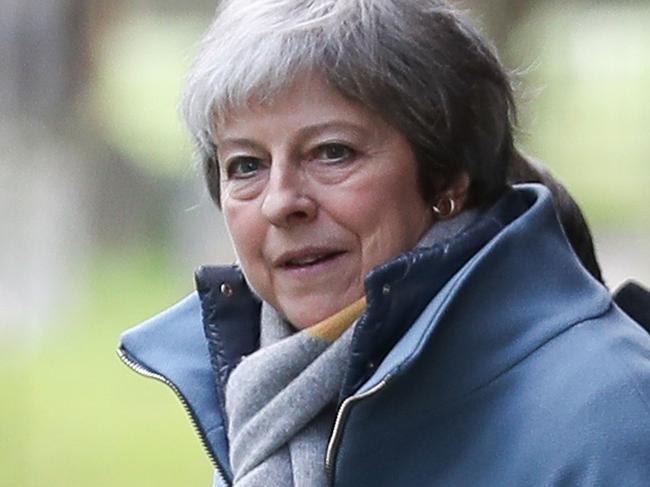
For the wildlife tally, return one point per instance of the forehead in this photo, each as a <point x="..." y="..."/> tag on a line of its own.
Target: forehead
<point x="308" y="100"/>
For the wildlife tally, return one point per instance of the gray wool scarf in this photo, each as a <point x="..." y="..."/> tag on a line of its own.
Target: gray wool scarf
<point x="280" y="403"/>
<point x="280" y="400"/>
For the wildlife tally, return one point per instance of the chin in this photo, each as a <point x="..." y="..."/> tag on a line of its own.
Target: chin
<point x="306" y="317"/>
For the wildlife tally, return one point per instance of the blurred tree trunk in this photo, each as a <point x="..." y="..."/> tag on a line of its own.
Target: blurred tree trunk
<point x="42" y="175"/>
<point x="44" y="63"/>
<point x="63" y="191"/>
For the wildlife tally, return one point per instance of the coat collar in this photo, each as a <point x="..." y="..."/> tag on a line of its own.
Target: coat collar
<point x="171" y="347"/>
<point x="523" y="288"/>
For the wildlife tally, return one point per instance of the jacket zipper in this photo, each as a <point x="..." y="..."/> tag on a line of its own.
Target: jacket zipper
<point x="140" y="369"/>
<point x="339" y="423"/>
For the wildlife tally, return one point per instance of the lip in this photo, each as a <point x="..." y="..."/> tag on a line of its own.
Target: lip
<point x="283" y="260"/>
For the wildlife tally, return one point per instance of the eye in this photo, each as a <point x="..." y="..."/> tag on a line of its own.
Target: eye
<point x="243" y="167"/>
<point x="332" y="153"/>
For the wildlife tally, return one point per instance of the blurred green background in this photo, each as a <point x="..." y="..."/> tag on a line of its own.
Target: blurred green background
<point x="104" y="216"/>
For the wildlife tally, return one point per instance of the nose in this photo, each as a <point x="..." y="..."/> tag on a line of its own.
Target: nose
<point x="287" y="201"/>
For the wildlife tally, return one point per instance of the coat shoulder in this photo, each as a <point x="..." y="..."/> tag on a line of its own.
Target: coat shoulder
<point x="592" y="403"/>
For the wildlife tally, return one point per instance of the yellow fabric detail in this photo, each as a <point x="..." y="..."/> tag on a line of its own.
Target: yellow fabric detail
<point x="333" y="327"/>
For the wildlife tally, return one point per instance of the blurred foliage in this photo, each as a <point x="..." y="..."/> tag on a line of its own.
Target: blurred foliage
<point x="74" y="415"/>
<point x="140" y="67"/>
<point x="591" y="119"/>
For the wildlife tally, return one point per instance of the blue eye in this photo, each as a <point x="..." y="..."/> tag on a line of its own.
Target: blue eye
<point x="334" y="153"/>
<point x="243" y="167"/>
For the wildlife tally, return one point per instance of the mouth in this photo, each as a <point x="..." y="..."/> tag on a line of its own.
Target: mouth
<point x="307" y="258"/>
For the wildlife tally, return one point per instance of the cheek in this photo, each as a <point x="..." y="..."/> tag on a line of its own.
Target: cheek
<point x="386" y="220"/>
<point x="373" y="217"/>
<point x="246" y="234"/>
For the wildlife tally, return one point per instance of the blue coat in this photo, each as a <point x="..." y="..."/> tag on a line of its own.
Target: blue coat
<point x="491" y="360"/>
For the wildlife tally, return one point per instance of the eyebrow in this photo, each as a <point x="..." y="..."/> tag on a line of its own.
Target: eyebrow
<point x="303" y="133"/>
<point x="312" y="130"/>
<point x="239" y="143"/>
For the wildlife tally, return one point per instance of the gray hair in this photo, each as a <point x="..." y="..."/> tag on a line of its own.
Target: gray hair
<point x="417" y="63"/>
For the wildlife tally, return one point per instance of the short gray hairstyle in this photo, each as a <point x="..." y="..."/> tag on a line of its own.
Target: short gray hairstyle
<point x="419" y="64"/>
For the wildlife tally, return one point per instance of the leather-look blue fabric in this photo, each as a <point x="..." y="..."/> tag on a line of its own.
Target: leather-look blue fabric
<point x="514" y="368"/>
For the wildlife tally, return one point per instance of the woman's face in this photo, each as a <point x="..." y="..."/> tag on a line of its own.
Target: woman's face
<point x="316" y="190"/>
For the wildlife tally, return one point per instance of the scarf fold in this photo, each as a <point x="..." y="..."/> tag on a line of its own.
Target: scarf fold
<point x="281" y="399"/>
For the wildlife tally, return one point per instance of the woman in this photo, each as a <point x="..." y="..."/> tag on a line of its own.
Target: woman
<point x="399" y="315"/>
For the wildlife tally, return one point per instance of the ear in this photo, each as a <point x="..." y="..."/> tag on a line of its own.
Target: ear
<point x="457" y="191"/>
<point x="452" y="200"/>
